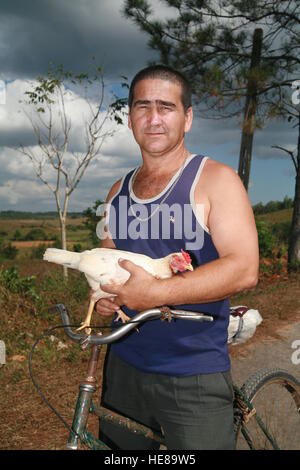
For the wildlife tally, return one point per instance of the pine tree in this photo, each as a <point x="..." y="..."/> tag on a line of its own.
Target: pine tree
<point x="238" y="55"/>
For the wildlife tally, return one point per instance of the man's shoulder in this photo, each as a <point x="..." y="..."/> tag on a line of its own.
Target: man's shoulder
<point x="114" y="189"/>
<point x="117" y="185"/>
<point x="217" y="167"/>
<point x="218" y="179"/>
<point x="218" y="172"/>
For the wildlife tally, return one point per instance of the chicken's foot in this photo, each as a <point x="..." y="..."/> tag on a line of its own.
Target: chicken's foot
<point x="86" y="323"/>
<point x="122" y="316"/>
<point x="166" y="313"/>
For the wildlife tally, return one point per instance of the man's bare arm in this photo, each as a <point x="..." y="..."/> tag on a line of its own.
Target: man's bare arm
<point x="233" y="231"/>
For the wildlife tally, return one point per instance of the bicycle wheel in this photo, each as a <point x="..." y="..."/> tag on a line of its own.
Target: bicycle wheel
<point x="275" y="395"/>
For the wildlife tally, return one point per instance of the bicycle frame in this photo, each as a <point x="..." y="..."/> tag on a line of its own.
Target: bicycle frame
<point x="85" y="406"/>
<point x="87" y="388"/>
<point x="243" y="409"/>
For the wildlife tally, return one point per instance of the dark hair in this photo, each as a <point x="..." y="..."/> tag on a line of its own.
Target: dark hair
<point x="163" y="72"/>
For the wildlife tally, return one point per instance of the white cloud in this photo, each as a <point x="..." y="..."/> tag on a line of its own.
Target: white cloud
<point x="18" y="181"/>
<point x="20" y="187"/>
<point x="17" y="191"/>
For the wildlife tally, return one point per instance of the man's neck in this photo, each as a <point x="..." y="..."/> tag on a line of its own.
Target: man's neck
<point x="163" y="163"/>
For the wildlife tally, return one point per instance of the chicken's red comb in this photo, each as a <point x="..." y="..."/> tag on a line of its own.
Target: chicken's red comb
<point x="186" y="256"/>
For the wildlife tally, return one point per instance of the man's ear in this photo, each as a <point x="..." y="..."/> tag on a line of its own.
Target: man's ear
<point x="188" y="119"/>
<point x="129" y="120"/>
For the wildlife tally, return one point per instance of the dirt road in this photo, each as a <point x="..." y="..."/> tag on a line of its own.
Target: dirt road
<point x="270" y="351"/>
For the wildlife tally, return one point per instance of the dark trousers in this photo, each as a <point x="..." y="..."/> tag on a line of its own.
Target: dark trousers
<point x="193" y="412"/>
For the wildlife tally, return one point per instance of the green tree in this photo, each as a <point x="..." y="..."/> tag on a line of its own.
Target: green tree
<point x="91" y="221"/>
<point x="17" y="235"/>
<point x="239" y="56"/>
<point x="291" y="111"/>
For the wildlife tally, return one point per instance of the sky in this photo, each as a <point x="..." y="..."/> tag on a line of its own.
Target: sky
<point x="36" y="32"/>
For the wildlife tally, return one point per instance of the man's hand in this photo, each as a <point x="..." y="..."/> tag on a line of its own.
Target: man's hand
<point x="106" y="307"/>
<point x="140" y="292"/>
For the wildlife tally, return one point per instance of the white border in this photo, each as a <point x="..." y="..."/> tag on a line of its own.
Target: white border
<point x="192" y="197"/>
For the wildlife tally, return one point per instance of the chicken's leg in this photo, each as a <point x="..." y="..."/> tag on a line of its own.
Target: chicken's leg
<point x="87" y="320"/>
<point x="122" y="316"/>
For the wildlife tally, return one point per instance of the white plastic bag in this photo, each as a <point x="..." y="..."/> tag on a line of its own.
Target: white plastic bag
<point x="240" y="329"/>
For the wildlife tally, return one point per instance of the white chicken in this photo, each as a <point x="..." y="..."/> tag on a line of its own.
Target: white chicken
<point x="101" y="266"/>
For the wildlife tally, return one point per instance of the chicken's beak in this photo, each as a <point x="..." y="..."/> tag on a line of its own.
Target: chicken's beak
<point x="189" y="267"/>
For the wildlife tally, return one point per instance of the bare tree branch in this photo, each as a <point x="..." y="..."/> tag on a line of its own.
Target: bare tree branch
<point x="48" y="99"/>
<point x="289" y="152"/>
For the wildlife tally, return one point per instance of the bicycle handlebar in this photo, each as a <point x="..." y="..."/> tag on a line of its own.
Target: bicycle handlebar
<point x="151" y="314"/>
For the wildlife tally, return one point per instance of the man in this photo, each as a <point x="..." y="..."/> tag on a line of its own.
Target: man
<point x="176" y="376"/>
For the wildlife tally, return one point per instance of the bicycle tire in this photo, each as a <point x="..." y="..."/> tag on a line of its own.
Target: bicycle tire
<point x="275" y="395"/>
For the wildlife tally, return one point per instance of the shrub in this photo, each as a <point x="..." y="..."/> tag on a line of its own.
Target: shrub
<point x="12" y="281"/>
<point x="17" y="235"/>
<point x="8" y="251"/>
<point x="294" y="265"/>
<point x="57" y="242"/>
<point x="77" y="247"/>
<point x="36" y="234"/>
<point x="38" y="251"/>
<point x="281" y="230"/>
<point x="266" y="239"/>
<point x="273" y="206"/>
<point x="91" y="221"/>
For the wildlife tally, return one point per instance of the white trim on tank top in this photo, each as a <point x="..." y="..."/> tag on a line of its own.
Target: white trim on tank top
<point x="198" y="213"/>
<point x="152" y="199"/>
<point x="192" y="191"/>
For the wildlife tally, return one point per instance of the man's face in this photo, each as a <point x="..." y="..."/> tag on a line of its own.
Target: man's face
<point x="157" y="116"/>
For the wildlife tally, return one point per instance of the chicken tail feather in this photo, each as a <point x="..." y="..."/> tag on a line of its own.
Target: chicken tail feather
<point x="64" y="257"/>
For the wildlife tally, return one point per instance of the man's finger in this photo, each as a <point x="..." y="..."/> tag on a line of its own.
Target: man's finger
<point x="128" y="265"/>
<point x="110" y="288"/>
<point x="105" y="311"/>
<point x="108" y="303"/>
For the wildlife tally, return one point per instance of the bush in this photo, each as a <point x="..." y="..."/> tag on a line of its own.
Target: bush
<point x="36" y="234"/>
<point x="77" y="247"/>
<point x="57" y="242"/>
<point x="281" y="231"/>
<point x="38" y="251"/>
<point x="294" y="265"/>
<point x="272" y="206"/>
<point x="91" y="221"/>
<point x="8" y="251"/>
<point x="17" y="235"/>
<point x="11" y="280"/>
<point x="266" y="239"/>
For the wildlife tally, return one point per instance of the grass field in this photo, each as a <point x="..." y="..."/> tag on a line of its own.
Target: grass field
<point x="77" y="234"/>
<point x="26" y="422"/>
<point x="285" y="215"/>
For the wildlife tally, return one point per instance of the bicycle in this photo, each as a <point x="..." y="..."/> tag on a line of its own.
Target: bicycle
<point x="256" y="426"/>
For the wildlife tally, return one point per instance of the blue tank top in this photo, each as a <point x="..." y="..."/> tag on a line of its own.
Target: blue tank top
<point x="181" y="347"/>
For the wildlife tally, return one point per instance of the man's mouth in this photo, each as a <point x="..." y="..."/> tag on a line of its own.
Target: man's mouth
<point x="154" y="133"/>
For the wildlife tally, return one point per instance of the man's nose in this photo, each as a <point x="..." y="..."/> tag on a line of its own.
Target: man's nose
<point x="154" y="115"/>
